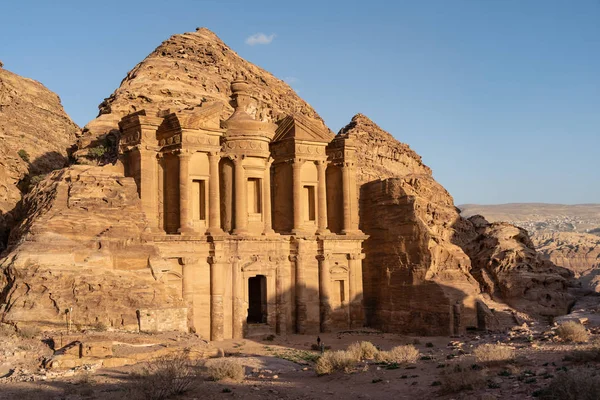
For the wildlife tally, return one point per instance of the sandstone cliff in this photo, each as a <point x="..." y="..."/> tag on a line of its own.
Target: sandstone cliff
<point x="578" y="252"/>
<point x="35" y="133"/>
<point x="506" y="264"/>
<point x="427" y="268"/>
<point x="188" y="70"/>
<point x="81" y="248"/>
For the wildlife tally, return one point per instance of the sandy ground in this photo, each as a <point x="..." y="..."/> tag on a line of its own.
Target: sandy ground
<point x="283" y="368"/>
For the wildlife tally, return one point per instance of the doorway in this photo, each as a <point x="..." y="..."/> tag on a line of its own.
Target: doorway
<point x="257" y="300"/>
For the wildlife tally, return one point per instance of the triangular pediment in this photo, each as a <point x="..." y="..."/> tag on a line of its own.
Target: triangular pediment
<point x="299" y="127"/>
<point x="206" y="117"/>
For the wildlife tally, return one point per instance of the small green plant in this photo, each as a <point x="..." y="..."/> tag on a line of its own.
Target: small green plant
<point x="226" y="390"/>
<point x="428" y="344"/>
<point x="377" y="380"/>
<point x="460" y="378"/>
<point x="436" y="383"/>
<point x="269" y="338"/>
<point x="24" y="155"/>
<point x="95" y="153"/>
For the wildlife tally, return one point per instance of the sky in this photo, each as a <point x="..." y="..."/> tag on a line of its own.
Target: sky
<point x="500" y="98"/>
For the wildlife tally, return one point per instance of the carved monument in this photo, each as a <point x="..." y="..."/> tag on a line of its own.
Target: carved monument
<point x="256" y="223"/>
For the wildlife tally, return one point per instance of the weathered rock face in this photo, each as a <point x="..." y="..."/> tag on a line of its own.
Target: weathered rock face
<point x="81" y="246"/>
<point x="379" y="155"/>
<point x="415" y="278"/>
<point x="188" y="70"/>
<point x="578" y="252"/>
<point x="422" y="273"/>
<point x="507" y="266"/>
<point x="35" y="133"/>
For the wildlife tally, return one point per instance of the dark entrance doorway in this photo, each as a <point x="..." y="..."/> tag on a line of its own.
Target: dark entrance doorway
<point x="257" y="300"/>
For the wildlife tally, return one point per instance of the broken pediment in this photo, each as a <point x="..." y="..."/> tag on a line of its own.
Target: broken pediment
<point x="299" y="127"/>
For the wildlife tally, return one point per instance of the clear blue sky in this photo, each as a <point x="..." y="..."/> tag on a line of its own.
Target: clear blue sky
<point x="501" y="98"/>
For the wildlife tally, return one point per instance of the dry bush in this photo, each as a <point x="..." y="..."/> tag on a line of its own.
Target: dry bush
<point x="462" y="377"/>
<point x="167" y="376"/>
<point x="363" y="350"/>
<point x="494" y="353"/>
<point x="6" y="330"/>
<point x="584" y="356"/>
<point x="400" y="354"/>
<point x="575" y="384"/>
<point x="332" y="361"/>
<point x="29" y="332"/>
<point x="572" y="331"/>
<point x="222" y="368"/>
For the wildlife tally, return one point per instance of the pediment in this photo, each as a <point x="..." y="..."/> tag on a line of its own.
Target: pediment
<point x="299" y="127"/>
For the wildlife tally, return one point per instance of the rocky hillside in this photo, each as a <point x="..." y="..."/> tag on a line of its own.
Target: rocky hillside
<point x="567" y="235"/>
<point x="185" y="71"/>
<point x="379" y="155"/>
<point x="81" y="248"/>
<point x="428" y="270"/>
<point x="35" y="133"/>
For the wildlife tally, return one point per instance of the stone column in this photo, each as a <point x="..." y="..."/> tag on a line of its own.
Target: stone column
<point x="188" y="274"/>
<point x="325" y="292"/>
<point x="214" y="204"/>
<point x="237" y="304"/>
<point x="217" y="289"/>
<point x="184" y="193"/>
<point x="301" y="308"/>
<point x="322" y="195"/>
<point x="347" y="196"/>
<point x="241" y="202"/>
<point x="149" y="186"/>
<point x="267" y="198"/>
<point x="355" y="290"/>
<point x="297" y="194"/>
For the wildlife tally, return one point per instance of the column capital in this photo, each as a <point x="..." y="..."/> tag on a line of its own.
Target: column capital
<point x="216" y="259"/>
<point x="189" y="260"/>
<point x="320" y="163"/>
<point x="323" y="257"/>
<point x="233" y="259"/>
<point x="214" y="153"/>
<point x="356" y="256"/>
<point x="182" y="153"/>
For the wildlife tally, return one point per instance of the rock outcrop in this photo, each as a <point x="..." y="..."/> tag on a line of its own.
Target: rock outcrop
<point x="425" y="263"/>
<point x="578" y="252"/>
<point x="35" y="133"/>
<point x="81" y="248"/>
<point x="507" y="266"/>
<point x="186" y="71"/>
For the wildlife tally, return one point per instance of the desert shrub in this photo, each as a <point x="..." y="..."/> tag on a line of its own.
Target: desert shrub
<point x="96" y="153"/>
<point x="100" y="326"/>
<point x="400" y="354"/>
<point x="462" y="377"/>
<point x="24" y="155"/>
<point x="332" y="361"/>
<point x="167" y="376"/>
<point x="494" y="353"/>
<point x="362" y="350"/>
<point x="29" y="332"/>
<point x="225" y="368"/>
<point x="572" y="331"/>
<point x="575" y="384"/>
<point x="6" y="330"/>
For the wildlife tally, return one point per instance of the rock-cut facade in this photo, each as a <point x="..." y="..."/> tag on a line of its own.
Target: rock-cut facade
<point x="256" y="223"/>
